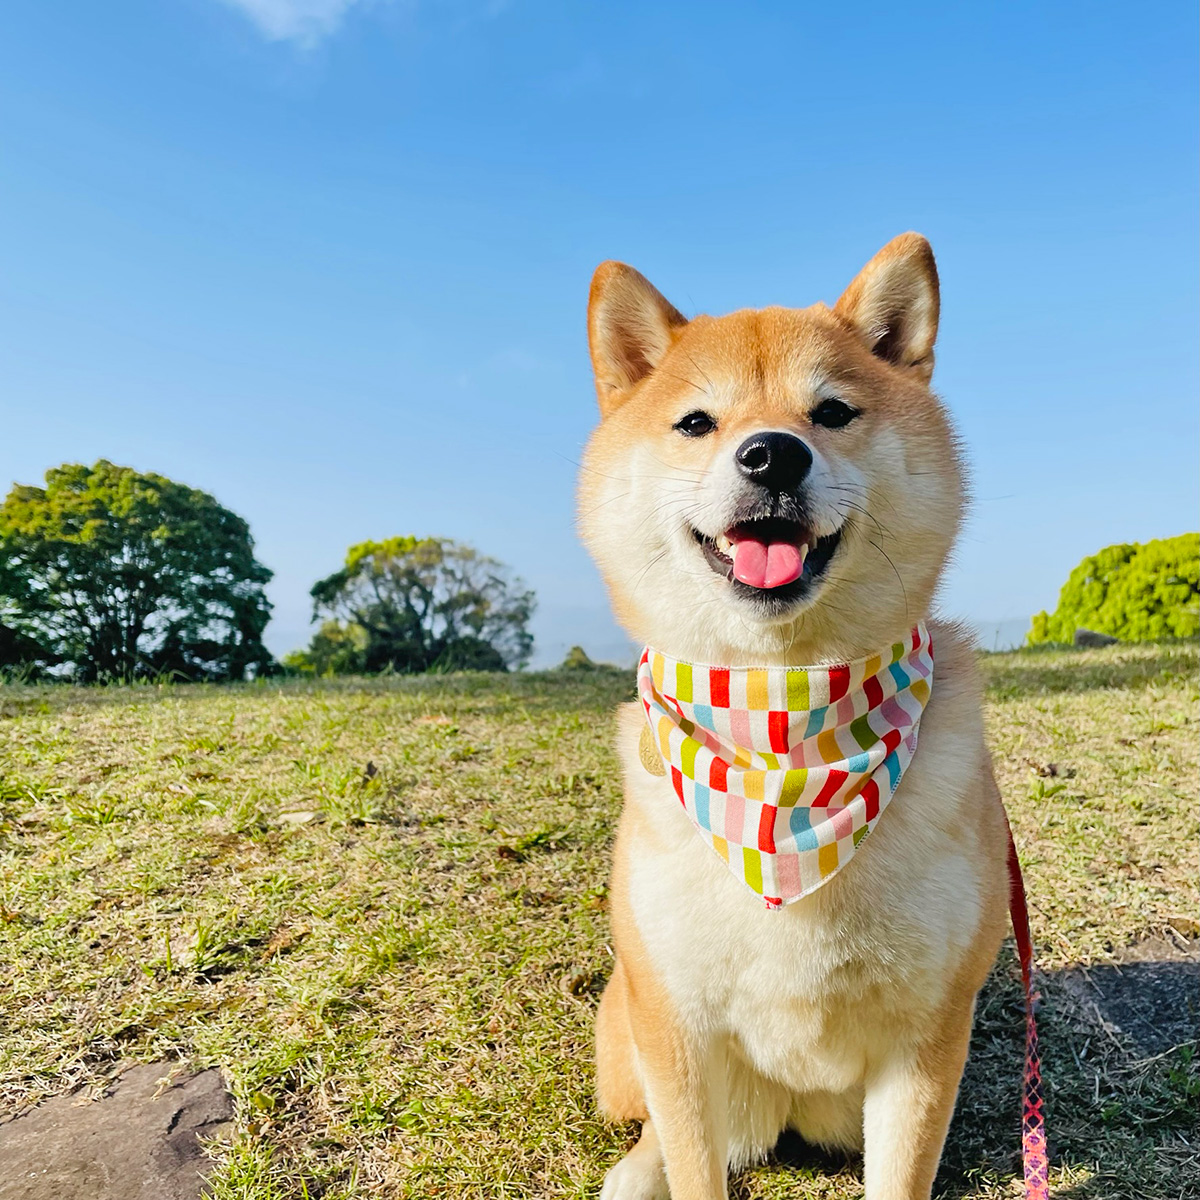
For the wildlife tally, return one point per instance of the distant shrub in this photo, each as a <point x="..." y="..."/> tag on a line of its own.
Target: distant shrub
<point x="1138" y="593"/>
<point x="336" y="649"/>
<point x="577" y="660"/>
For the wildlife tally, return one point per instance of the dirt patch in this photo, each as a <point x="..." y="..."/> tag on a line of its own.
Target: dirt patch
<point x="137" y="1141"/>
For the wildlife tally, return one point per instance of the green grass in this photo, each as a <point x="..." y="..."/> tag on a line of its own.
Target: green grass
<point x="379" y="907"/>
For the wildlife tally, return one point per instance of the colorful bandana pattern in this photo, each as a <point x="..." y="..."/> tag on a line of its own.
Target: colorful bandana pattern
<point x="784" y="771"/>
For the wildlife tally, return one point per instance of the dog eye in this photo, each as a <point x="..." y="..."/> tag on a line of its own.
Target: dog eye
<point x="833" y="414"/>
<point x="695" y="424"/>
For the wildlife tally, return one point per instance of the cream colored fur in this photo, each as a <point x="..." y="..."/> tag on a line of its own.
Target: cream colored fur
<point x="846" y="1015"/>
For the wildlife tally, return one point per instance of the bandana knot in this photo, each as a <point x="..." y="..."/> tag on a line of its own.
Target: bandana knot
<point x="784" y="770"/>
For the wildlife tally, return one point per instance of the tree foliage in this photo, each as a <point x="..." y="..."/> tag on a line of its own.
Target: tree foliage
<point x="419" y="604"/>
<point x="335" y="649"/>
<point x="1133" y="592"/>
<point x="118" y="575"/>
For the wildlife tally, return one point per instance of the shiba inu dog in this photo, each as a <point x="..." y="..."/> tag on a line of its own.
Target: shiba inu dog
<point x="769" y="490"/>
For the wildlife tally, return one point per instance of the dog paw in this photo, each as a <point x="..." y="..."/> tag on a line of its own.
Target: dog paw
<point x="632" y="1179"/>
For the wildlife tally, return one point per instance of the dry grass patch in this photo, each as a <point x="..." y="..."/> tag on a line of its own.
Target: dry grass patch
<point x="379" y="907"/>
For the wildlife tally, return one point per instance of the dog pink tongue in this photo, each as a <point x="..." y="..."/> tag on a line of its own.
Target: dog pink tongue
<point x="766" y="564"/>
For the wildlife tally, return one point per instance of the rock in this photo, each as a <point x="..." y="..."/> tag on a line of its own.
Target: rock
<point x="299" y="817"/>
<point x="1089" y="639"/>
<point x="128" y="1145"/>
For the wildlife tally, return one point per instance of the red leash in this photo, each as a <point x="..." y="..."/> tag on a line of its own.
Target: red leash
<point x="1033" y="1121"/>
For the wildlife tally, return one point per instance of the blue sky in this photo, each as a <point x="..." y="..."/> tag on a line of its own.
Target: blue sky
<point x="329" y="259"/>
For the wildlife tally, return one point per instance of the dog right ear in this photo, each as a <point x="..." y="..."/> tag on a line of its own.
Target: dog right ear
<point x="631" y="326"/>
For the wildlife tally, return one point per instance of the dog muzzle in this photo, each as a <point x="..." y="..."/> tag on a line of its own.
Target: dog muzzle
<point x="784" y="770"/>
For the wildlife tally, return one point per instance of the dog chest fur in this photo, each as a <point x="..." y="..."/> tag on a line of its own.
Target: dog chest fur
<point x="806" y="993"/>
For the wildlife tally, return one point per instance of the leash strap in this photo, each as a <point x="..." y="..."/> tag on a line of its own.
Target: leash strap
<point x="1033" y="1121"/>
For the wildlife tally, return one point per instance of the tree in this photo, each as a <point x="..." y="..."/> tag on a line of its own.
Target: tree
<point x="118" y="575"/>
<point x="419" y="604"/>
<point x="1137" y="593"/>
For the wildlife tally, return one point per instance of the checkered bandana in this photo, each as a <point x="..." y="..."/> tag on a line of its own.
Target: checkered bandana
<point x="784" y="770"/>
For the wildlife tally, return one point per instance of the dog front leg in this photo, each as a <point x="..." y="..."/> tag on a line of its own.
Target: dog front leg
<point x="909" y="1102"/>
<point x="685" y="1087"/>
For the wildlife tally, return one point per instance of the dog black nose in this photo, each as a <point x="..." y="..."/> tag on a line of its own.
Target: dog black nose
<point x="777" y="461"/>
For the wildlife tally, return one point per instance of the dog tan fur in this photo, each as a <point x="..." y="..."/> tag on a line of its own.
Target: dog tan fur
<point x="847" y="1014"/>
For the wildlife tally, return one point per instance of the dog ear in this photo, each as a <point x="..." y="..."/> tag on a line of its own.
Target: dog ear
<point x="630" y="327"/>
<point x="893" y="304"/>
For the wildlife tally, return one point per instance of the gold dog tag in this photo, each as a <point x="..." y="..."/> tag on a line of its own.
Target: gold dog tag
<point x="648" y="753"/>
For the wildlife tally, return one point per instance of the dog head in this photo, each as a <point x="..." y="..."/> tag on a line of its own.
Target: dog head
<point x="773" y="486"/>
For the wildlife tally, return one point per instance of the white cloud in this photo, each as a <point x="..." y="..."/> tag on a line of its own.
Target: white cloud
<point x="303" y="21"/>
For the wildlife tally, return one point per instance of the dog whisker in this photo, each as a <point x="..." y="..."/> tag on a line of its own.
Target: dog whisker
<point x="899" y="580"/>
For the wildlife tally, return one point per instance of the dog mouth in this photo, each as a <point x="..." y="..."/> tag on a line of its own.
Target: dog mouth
<point x="772" y="557"/>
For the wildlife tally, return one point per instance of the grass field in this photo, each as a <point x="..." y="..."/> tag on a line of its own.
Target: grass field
<point x="379" y="906"/>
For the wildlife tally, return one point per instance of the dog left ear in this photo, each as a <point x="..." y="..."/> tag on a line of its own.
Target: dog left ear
<point x="893" y="304"/>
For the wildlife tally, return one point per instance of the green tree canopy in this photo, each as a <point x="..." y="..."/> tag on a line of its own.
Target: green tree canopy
<point x="1138" y="593"/>
<point x="119" y="575"/>
<point x="419" y="604"/>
